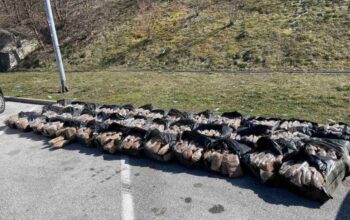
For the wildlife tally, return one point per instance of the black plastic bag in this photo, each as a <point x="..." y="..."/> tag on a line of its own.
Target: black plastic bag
<point x="112" y="107"/>
<point x="296" y="125"/>
<point x="73" y="110"/>
<point x="182" y="125"/>
<point x="279" y="146"/>
<point x="67" y="106"/>
<point x="22" y="120"/>
<point x="223" y="156"/>
<point x="238" y="148"/>
<point x="214" y="130"/>
<point x="335" y="131"/>
<point x="157" y="123"/>
<point x="270" y="123"/>
<point x="155" y="114"/>
<point x="190" y="148"/>
<point x="147" y="107"/>
<point x="312" y="176"/>
<point x="90" y="109"/>
<point x="135" y="121"/>
<point x="257" y="130"/>
<point x="204" y="117"/>
<point x="143" y="111"/>
<point x="51" y="128"/>
<point x="341" y="147"/>
<point x="268" y="156"/>
<point x="53" y="108"/>
<point x="250" y="135"/>
<point x="132" y="142"/>
<point x="85" y="134"/>
<point x="175" y="115"/>
<point x="38" y="123"/>
<point x="232" y="119"/>
<point x="159" y="145"/>
<point x="336" y="149"/>
<point x="69" y="129"/>
<point x="112" y="116"/>
<point x="159" y="111"/>
<point x="108" y="137"/>
<point x="128" y="107"/>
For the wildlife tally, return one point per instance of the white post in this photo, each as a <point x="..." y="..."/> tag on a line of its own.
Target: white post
<point x="56" y="46"/>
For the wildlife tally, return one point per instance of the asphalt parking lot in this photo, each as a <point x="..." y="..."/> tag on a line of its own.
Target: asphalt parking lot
<point x="82" y="183"/>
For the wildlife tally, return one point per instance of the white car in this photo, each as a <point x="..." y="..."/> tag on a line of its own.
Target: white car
<point x="2" y="102"/>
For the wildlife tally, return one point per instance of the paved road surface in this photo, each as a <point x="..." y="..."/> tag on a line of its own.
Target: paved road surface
<point x="81" y="183"/>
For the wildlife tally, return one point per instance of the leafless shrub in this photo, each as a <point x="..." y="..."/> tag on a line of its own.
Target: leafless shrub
<point x="144" y="5"/>
<point x="199" y="5"/>
<point x="235" y="6"/>
<point x="74" y="19"/>
<point x="147" y="21"/>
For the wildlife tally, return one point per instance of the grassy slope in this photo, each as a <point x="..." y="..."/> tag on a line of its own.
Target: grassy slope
<point x="268" y="34"/>
<point x="313" y="97"/>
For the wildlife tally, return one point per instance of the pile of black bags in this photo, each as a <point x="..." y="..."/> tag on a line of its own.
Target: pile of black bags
<point x="303" y="156"/>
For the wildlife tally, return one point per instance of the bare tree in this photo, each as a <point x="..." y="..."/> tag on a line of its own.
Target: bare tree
<point x="23" y="16"/>
<point x="5" y="6"/>
<point x="235" y="6"/>
<point x="199" y="5"/>
<point x="33" y="17"/>
<point x="147" y="21"/>
<point x="74" y="19"/>
<point x="144" y="5"/>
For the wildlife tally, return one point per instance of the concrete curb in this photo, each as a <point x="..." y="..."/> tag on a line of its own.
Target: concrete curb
<point x="29" y="101"/>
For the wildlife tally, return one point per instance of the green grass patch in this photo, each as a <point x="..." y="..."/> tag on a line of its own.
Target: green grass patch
<point x="313" y="97"/>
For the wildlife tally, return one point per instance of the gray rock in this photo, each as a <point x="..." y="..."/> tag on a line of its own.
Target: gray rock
<point x="13" y="49"/>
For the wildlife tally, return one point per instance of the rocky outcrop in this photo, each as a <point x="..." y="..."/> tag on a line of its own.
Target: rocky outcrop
<point x="14" y="47"/>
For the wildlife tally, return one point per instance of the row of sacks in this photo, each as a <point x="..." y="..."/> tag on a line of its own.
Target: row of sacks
<point x="183" y="139"/>
<point x="290" y="153"/>
<point x="250" y="128"/>
<point x="146" y="112"/>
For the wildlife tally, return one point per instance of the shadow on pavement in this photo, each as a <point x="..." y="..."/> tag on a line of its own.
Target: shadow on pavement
<point x="278" y="196"/>
<point x="27" y="135"/>
<point x="272" y="195"/>
<point x="344" y="210"/>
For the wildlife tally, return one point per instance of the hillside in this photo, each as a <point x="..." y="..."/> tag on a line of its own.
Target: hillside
<point x="209" y="34"/>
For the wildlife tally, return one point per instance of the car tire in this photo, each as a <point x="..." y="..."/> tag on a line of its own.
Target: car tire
<point x="2" y="103"/>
